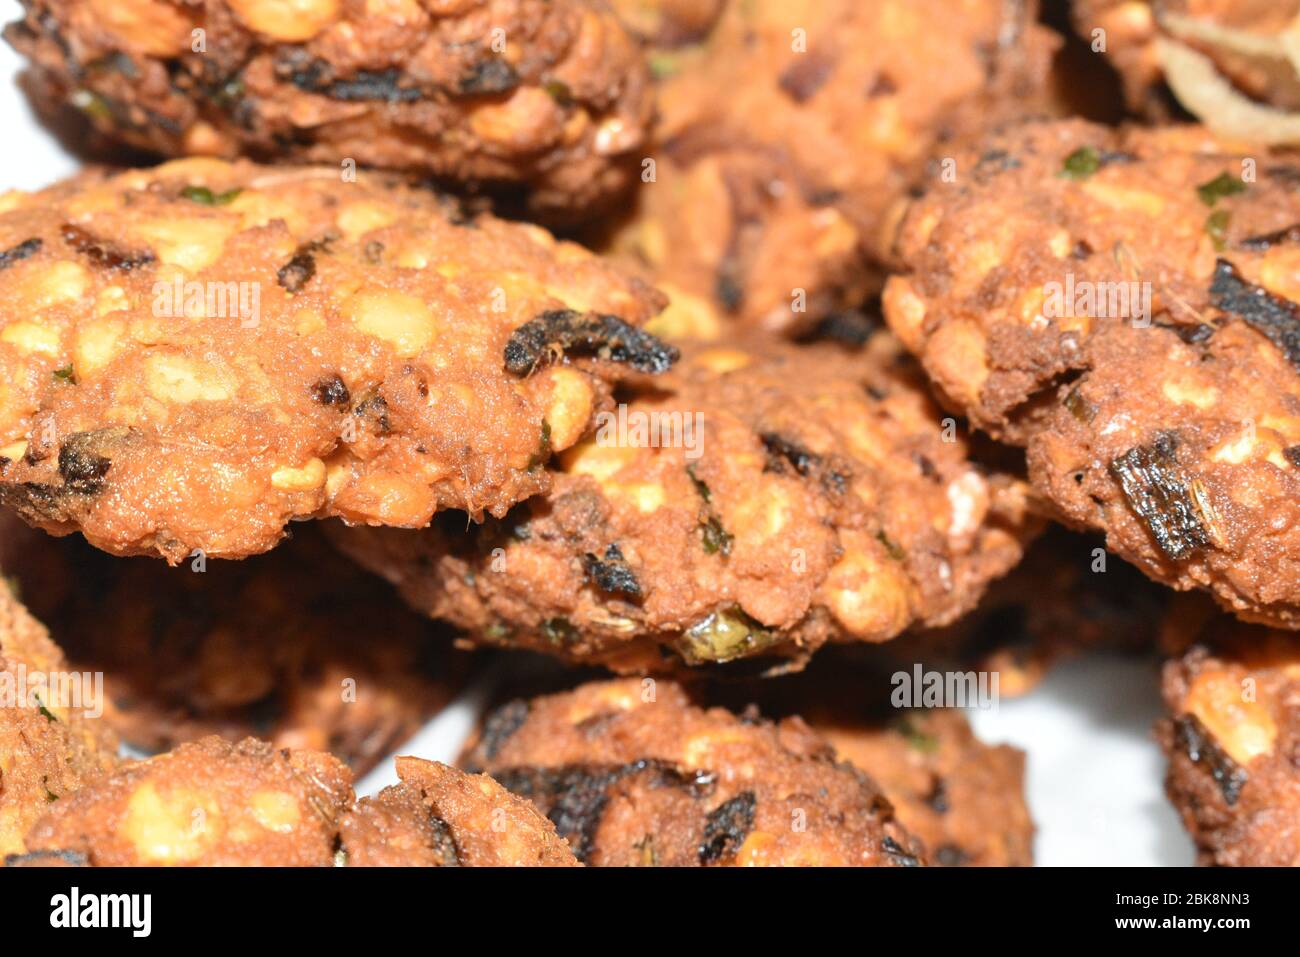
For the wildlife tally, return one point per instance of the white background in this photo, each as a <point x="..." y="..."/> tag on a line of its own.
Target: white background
<point x="1095" y="774"/>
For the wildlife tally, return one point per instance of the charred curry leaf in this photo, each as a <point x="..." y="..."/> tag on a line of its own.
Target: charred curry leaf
<point x="490" y="76"/>
<point x="611" y="573"/>
<point x="1163" y="496"/>
<point x="501" y="725"/>
<point x="28" y="247"/>
<point x="104" y="253"/>
<point x="331" y="390"/>
<point x="1276" y="318"/>
<point x="560" y="332"/>
<point x="900" y="856"/>
<point x="1266" y="241"/>
<point x="727" y="826"/>
<point x="1221" y="187"/>
<point x="80" y="463"/>
<point x="1195" y="740"/>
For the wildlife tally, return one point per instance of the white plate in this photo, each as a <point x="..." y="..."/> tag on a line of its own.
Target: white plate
<point x="1094" y="771"/>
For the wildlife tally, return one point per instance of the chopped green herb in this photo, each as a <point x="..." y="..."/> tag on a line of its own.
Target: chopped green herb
<point x="891" y="548"/>
<point x="1217" y="226"/>
<point x="1221" y="187"/>
<point x="539" y="458"/>
<point x="201" y="194"/>
<point x="724" y="636"/>
<point x="700" y="486"/>
<point x="66" y="374"/>
<point x="916" y="738"/>
<point x="1082" y="163"/>
<point x="559" y="92"/>
<point x="715" y="537"/>
<point x="1079" y="407"/>
<point x="45" y="712"/>
<point x="559" y="631"/>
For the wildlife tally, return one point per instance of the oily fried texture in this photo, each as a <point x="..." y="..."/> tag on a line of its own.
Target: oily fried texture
<point x="633" y="774"/>
<point x="788" y="135"/>
<point x="441" y="817"/>
<point x="1134" y="28"/>
<point x="962" y="799"/>
<point x="1233" y="739"/>
<point x="49" y="745"/>
<point x="193" y="355"/>
<point x="546" y="96"/>
<point x="206" y="803"/>
<point x="1097" y="603"/>
<point x="759" y="500"/>
<point x="298" y="647"/>
<point x="666" y="24"/>
<point x="1173" y="425"/>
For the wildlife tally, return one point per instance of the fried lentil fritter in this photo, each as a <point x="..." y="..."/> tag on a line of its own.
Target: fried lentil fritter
<point x="963" y="799"/>
<point x="665" y="24"/>
<point x="1134" y="30"/>
<point x="759" y="500"/>
<point x="548" y="96"/>
<point x="193" y="355"/>
<point x="1233" y="743"/>
<point x="1123" y="303"/>
<point x="50" y="743"/>
<point x="206" y="803"/>
<point x="791" y="132"/>
<point x="633" y="774"/>
<point x="298" y="647"/>
<point x="441" y="817"/>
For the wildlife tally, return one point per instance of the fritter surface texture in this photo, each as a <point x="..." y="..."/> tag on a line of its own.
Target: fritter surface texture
<point x="206" y="803"/>
<point x="1124" y="304"/>
<point x="299" y="647"/>
<point x="633" y="774"/>
<point x="50" y="744"/>
<point x="790" y="133"/>
<point x="193" y="355"/>
<point x="548" y="96"/>
<point x="758" y="501"/>
<point x="1232" y="739"/>
<point x="441" y="817"/>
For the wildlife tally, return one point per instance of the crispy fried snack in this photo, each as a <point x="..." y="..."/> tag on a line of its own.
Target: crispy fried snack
<point x="441" y="817"/>
<point x="548" y="96"/>
<point x="757" y="502"/>
<point x="1124" y="305"/>
<point x="665" y="24"/>
<point x="633" y="774"/>
<point x="49" y="744"/>
<point x="298" y="647"/>
<point x="791" y="133"/>
<point x="193" y="355"/>
<point x="1232" y="740"/>
<point x="1241" y="40"/>
<point x="206" y="803"/>
<point x="963" y="799"/>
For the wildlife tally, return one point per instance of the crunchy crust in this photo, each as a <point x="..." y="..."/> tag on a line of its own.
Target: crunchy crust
<point x="441" y="817"/>
<point x="386" y="328"/>
<point x="298" y="647"/>
<point x="819" y="499"/>
<point x="415" y="86"/>
<point x="633" y="774"/>
<point x="1233" y="740"/>
<point x="1178" y="436"/>
<point x="207" y="803"/>
<point x="49" y="747"/>
<point x="787" y="181"/>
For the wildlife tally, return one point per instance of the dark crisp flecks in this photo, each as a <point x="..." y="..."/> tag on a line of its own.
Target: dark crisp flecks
<point x="727" y="826"/>
<point x="1161" y="494"/>
<point x="1273" y="316"/>
<point x="560" y="332"/>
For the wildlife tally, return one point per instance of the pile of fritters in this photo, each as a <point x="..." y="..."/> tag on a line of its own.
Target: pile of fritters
<point x="849" y="318"/>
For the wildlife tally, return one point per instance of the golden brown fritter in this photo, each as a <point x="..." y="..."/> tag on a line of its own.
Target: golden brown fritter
<point x="206" y="803"/>
<point x="665" y="24"/>
<point x="759" y="500"/>
<point x="50" y="742"/>
<point x="548" y="96"/>
<point x="1233" y="743"/>
<point x="298" y="647"/>
<point x="1237" y="35"/>
<point x="633" y="774"/>
<point x="1124" y="305"/>
<point x="441" y="817"/>
<point x="191" y="356"/>
<point x="964" y="800"/>
<point x="791" y="132"/>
